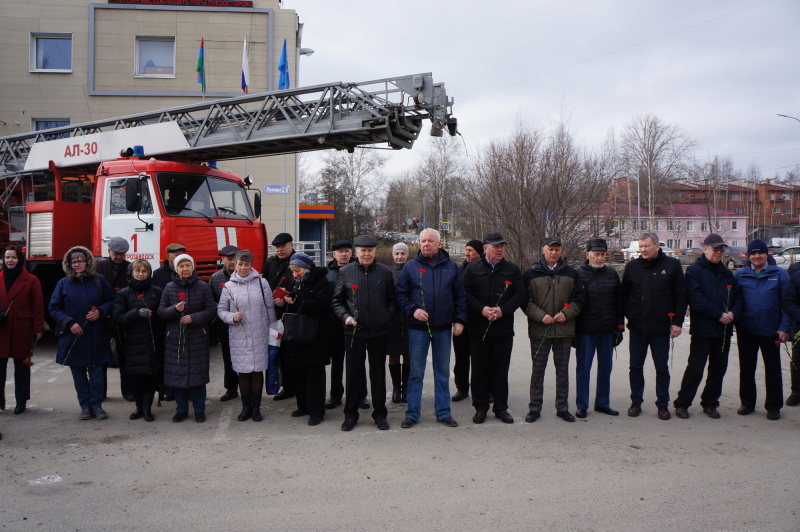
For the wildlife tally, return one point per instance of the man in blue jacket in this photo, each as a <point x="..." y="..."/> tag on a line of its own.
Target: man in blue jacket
<point x="713" y="306"/>
<point x="762" y="324"/>
<point x="430" y="291"/>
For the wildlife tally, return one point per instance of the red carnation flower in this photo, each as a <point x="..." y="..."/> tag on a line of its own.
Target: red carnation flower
<point x="94" y="308"/>
<point x="181" y="296"/>
<point x="507" y="282"/>
<point x="729" y="286"/>
<point x="421" y="270"/>
<point x="354" y="286"/>
<point x="140" y="297"/>
<point x="671" y="314"/>
<point x="566" y="305"/>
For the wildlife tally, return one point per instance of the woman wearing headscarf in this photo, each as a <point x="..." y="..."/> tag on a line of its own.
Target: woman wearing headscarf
<point x="397" y="345"/>
<point x="187" y="306"/>
<point x="309" y="296"/>
<point x="22" y="323"/>
<point x="247" y="306"/>
<point x="142" y="334"/>
<point x="80" y="303"/>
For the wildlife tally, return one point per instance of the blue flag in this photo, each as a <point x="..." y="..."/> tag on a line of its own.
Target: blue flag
<point x="283" y="67"/>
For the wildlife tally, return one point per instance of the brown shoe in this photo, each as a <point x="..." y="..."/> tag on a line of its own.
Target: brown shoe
<point x="635" y="409"/>
<point x="663" y="413"/>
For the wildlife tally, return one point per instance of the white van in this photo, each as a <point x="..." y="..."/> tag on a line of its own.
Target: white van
<point x="632" y="251"/>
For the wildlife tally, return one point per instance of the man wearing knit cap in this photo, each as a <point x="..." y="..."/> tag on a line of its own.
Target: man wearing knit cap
<point x="276" y="272"/>
<point x="342" y="256"/>
<point x="473" y="251"/>
<point x="219" y="278"/>
<point x="364" y="300"/>
<point x="762" y="325"/>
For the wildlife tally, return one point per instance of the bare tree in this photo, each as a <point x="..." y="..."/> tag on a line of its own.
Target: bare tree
<point x="533" y="185"/>
<point x="439" y="172"/>
<point x="656" y="153"/>
<point x="350" y="181"/>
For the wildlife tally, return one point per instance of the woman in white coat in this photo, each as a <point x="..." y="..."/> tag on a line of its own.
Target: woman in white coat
<point x="246" y="305"/>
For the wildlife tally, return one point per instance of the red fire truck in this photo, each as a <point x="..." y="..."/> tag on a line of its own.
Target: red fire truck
<point x="150" y="179"/>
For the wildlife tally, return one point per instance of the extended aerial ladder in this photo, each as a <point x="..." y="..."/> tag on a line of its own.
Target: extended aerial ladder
<point x="338" y="116"/>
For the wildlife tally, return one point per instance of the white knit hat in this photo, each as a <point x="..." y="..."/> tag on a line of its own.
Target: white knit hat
<point x="180" y="258"/>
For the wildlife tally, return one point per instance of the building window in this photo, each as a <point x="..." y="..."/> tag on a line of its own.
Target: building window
<point x="798" y="196"/>
<point x="787" y="210"/>
<point x="655" y="225"/>
<point x="49" y="123"/>
<point x="704" y="227"/>
<point x="734" y="225"/>
<point x="673" y="225"/>
<point x="155" y="57"/>
<point x="678" y="195"/>
<point x="622" y="224"/>
<point x="51" y="52"/>
<point x="737" y="211"/>
<point x="756" y="209"/>
<point x="776" y="210"/>
<point x="689" y="227"/>
<point x="772" y="196"/>
<point x="690" y="243"/>
<point x="734" y="243"/>
<point x="785" y="196"/>
<point x="738" y="197"/>
<point x="673" y="244"/>
<point x="692" y="196"/>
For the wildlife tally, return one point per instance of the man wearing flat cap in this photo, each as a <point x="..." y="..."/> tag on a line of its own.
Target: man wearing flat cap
<point x="163" y="276"/>
<point x="364" y="300"/>
<point x="115" y="270"/>
<point x="473" y="251"/>
<point x="218" y="279"/>
<point x="599" y="328"/>
<point x="276" y="271"/>
<point x="342" y="256"/>
<point x="494" y="292"/>
<point x="555" y="298"/>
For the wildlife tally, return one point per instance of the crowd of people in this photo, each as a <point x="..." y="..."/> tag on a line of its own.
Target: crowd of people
<point x="357" y="311"/>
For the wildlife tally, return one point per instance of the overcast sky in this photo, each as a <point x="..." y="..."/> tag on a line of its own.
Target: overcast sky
<point x="721" y="70"/>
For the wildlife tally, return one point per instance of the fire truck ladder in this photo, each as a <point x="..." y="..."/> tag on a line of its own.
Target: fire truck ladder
<point x="338" y="116"/>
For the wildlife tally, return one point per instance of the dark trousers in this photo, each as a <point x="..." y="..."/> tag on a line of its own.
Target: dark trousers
<point x="794" y="369"/>
<point x="337" y="370"/>
<point x="749" y="344"/>
<point x="659" y="347"/>
<point x="288" y="370"/>
<point x="700" y="350"/>
<point x="461" y="349"/>
<point x="144" y="385"/>
<point x="363" y="349"/>
<point x="491" y="359"/>
<point x="540" y="352"/>
<point x="309" y="384"/>
<point x="22" y="379"/>
<point x="231" y="378"/>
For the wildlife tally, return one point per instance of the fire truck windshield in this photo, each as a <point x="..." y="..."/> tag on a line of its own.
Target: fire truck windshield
<point x="197" y="196"/>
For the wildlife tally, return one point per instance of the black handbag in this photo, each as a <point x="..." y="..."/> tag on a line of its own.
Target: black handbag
<point x="299" y="328"/>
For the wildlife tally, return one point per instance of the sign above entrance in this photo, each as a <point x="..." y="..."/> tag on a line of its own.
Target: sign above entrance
<point x="190" y="3"/>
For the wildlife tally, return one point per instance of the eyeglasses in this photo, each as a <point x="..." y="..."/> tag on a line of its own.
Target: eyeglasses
<point x="80" y="261"/>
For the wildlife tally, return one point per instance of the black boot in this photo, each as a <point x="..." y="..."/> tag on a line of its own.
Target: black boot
<point x="394" y="372"/>
<point x="138" y="412"/>
<point x="20" y="408"/>
<point x="147" y="404"/>
<point x="247" y="409"/>
<point x="406" y="370"/>
<point x="256" y="404"/>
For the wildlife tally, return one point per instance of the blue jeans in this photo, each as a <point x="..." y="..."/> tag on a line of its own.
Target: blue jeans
<point x="659" y="347"/>
<point x="603" y="343"/>
<point x="89" y="384"/>
<point x="418" y="342"/>
<point x="182" y="398"/>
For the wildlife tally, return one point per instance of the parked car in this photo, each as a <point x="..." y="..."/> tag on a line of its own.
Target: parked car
<point x="687" y="256"/>
<point x="735" y="256"/>
<point x="632" y="251"/>
<point x="615" y="255"/>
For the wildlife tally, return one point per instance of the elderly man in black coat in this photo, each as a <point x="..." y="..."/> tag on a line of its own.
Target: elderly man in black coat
<point x="599" y="328"/>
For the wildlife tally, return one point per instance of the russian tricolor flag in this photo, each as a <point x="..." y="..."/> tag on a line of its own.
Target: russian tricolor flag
<point x="245" y="68"/>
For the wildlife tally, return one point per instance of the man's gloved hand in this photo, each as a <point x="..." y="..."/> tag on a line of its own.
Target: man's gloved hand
<point x="618" y="337"/>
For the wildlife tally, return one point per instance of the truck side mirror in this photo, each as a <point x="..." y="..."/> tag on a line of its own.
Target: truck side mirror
<point x="133" y="194"/>
<point x="257" y="205"/>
